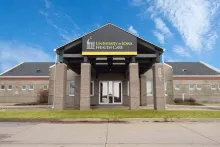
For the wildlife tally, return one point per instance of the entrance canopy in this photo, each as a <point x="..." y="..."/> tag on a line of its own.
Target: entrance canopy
<point x="109" y="49"/>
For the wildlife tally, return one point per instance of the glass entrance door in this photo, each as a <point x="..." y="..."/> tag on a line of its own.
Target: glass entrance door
<point x="110" y="92"/>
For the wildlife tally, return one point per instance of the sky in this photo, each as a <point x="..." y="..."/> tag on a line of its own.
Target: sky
<point x="30" y="30"/>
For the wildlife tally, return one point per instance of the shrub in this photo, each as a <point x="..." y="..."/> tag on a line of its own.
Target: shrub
<point x="192" y="100"/>
<point x="178" y="100"/>
<point x="42" y="96"/>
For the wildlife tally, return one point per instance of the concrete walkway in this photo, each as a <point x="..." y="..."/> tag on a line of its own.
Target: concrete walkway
<point x="149" y="107"/>
<point x="110" y="135"/>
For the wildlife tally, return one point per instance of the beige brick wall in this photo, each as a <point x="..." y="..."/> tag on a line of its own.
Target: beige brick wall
<point x="16" y="95"/>
<point x="206" y="93"/>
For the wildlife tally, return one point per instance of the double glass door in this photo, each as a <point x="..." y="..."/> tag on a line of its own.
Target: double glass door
<point x="110" y="92"/>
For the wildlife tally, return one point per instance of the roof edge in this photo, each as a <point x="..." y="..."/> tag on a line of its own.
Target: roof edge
<point x="24" y="77"/>
<point x="210" y="66"/>
<point x="11" y="68"/>
<point x="196" y="75"/>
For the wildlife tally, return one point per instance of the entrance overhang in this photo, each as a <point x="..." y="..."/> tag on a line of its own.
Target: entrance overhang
<point x="112" y="43"/>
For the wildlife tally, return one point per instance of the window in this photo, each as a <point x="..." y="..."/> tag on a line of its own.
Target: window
<point x="213" y="86"/>
<point x="191" y="86"/>
<point x="92" y="88"/>
<point x="128" y="90"/>
<point x="72" y="88"/>
<point x="23" y="87"/>
<point x="31" y="87"/>
<point x="2" y="87"/>
<point x="45" y="87"/>
<point x="9" y="87"/>
<point x="149" y="88"/>
<point x="177" y="87"/>
<point x="198" y="87"/>
<point x="165" y="87"/>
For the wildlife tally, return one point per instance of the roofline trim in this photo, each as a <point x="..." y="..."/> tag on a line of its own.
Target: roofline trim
<point x="24" y="76"/>
<point x="210" y="66"/>
<point x="11" y="68"/>
<point x="196" y="75"/>
<point x="104" y="26"/>
<point x="167" y="65"/>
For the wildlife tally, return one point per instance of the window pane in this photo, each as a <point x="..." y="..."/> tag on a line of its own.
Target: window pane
<point x="31" y="87"/>
<point x="213" y="86"/>
<point x="198" y="86"/>
<point x="92" y="88"/>
<point x="45" y="87"/>
<point x="128" y="90"/>
<point x="191" y="86"/>
<point x="2" y="86"/>
<point x="9" y="87"/>
<point x="23" y="87"/>
<point x="177" y="86"/>
<point x="72" y="87"/>
<point x="149" y="88"/>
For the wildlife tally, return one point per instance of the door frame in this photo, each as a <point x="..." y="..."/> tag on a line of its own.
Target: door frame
<point x="113" y="92"/>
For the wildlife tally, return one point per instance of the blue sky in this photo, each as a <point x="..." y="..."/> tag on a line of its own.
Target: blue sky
<point x="31" y="30"/>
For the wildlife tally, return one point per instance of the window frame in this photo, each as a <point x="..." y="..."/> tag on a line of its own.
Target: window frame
<point x="70" y="88"/>
<point x="1" y="87"/>
<point x="22" y="87"/>
<point x="91" y="94"/>
<point x="11" y="87"/>
<point x="177" y="88"/>
<point x="30" y="86"/>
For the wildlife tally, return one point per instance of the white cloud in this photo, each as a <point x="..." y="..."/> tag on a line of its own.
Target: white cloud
<point x="13" y="53"/>
<point x="132" y="30"/>
<point x="159" y="36"/>
<point x="55" y="18"/>
<point x="181" y="51"/>
<point x="160" y="25"/>
<point x="194" y="20"/>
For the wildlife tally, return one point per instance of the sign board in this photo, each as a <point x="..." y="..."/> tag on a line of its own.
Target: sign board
<point x="109" y="40"/>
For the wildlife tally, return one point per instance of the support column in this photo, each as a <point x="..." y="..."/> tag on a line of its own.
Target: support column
<point x="60" y="86"/>
<point x="143" y="90"/>
<point x="134" y="86"/>
<point x="158" y="86"/>
<point x="85" y="86"/>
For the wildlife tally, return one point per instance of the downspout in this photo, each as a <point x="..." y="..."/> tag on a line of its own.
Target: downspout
<point x="54" y="79"/>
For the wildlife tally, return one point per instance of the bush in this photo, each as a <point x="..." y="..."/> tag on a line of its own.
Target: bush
<point x="190" y="100"/>
<point x="178" y="100"/>
<point x="186" y="100"/>
<point x="42" y="96"/>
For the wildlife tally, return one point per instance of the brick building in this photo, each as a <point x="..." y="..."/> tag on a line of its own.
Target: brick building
<point x="110" y="66"/>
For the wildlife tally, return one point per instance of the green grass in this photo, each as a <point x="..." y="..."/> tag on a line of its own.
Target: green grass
<point x="107" y="114"/>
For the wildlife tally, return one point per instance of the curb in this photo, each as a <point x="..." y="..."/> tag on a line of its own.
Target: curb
<point x="100" y="120"/>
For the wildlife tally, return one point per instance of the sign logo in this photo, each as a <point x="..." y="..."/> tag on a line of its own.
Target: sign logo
<point x="90" y="44"/>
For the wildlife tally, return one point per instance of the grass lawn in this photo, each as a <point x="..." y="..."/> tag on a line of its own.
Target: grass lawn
<point x="108" y="114"/>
